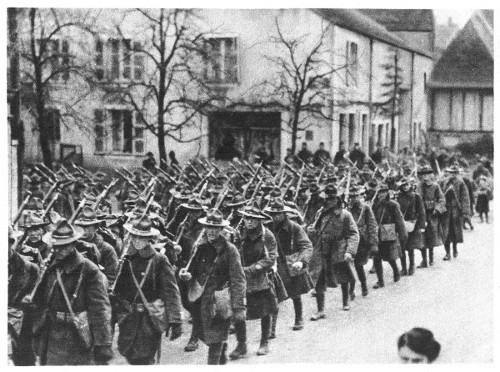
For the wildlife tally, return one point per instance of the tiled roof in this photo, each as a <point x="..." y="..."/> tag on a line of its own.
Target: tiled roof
<point x="468" y="60"/>
<point x="403" y="19"/>
<point x="355" y="20"/>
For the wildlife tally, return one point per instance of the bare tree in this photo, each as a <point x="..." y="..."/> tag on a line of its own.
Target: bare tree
<point x="301" y="84"/>
<point x="48" y="63"/>
<point x="170" y="92"/>
<point x="391" y="105"/>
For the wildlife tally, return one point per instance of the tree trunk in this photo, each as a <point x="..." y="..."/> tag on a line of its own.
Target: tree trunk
<point x="295" y="123"/>
<point x="40" y="99"/>
<point x="161" y="145"/>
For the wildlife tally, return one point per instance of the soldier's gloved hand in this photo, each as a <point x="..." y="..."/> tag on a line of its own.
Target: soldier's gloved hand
<point x="103" y="353"/>
<point x="298" y="265"/>
<point x="177" y="248"/>
<point x="239" y="316"/>
<point x="176" y="331"/>
<point x="347" y="257"/>
<point x="185" y="275"/>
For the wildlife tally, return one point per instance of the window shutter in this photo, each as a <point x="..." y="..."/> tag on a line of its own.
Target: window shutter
<point x="99" y="131"/>
<point x="115" y="59"/>
<point x="138" y="62"/>
<point x="99" y="59"/>
<point x="127" y="59"/>
<point x="65" y="59"/>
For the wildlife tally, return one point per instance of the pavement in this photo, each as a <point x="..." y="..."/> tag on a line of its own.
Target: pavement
<point x="454" y="299"/>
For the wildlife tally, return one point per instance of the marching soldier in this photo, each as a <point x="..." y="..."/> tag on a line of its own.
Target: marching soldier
<point x="336" y="241"/>
<point x="74" y="324"/>
<point x="368" y="235"/>
<point x="34" y="249"/>
<point x="413" y="210"/>
<point x="392" y="234"/>
<point x="22" y="278"/>
<point x="435" y="205"/>
<point x="217" y="286"/>
<point x="149" y="290"/>
<point x="108" y="257"/>
<point x="258" y="255"/>
<point x="457" y="207"/>
<point x="313" y="205"/>
<point x="294" y="250"/>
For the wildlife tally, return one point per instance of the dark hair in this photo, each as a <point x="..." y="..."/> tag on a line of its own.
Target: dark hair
<point x="421" y="341"/>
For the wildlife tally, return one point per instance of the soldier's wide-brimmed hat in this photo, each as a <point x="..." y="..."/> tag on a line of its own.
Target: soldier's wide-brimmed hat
<point x="32" y="221"/>
<point x="63" y="234"/>
<point x="267" y="186"/>
<point x="277" y="206"/>
<point x="275" y="193"/>
<point x="214" y="218"/>
<point x="356" y="190"/>
<point x="404" y="181"/>
<point x="454" y="169"/>
<point x="329" y="192"/>
<point x="237" y="200"/>
<point x="372" y="183"/>
<point x="193" y="204"/>
<point x="425" y="170"/>
<point x="216" y="189"/>
<point x="88" y="217"/>
<point x="366" y="170"/>
<point x="139" y="208"/>
<point x="342" y="166"/>
<point x="142" y="227"/>
<point x="383" y="187"/>
<point x="182" y="195"/>
<point x="253" y="211"/>
<point x="315" y="189"/>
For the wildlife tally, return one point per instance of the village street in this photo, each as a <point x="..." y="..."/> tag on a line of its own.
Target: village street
<point x="443" y="298"/>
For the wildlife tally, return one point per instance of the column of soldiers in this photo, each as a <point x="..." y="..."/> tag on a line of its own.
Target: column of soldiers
<point x="92" y="258"/>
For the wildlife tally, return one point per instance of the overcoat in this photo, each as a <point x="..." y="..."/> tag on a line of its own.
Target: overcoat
<point x="291" y="238"/>
<point x="159" y="284"/>
<point x="219" y="265"/>
<point x="457" y="206"/>
<point x="22" y="279"/>
<point x="58" y="343"/>
<point x="34" y="251"/>
<point x="334" y="236"/>
<point x="312" y="208"/>
<point x="108" y="256"/>
<point x="258" y="248"/>
<point x="368" y="231"/>
<point x="435" y="205"/>
<point x="387" y="212"/>
<point x="412" y="208"/>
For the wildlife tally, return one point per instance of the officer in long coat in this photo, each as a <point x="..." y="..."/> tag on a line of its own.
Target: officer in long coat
<point x="368" y="234"/>
<point x="335" y="236"/>
<point x="74" y="279"/>
<point x="258" y="255"/>
<point x="216" y="267"/>
<point x="392" y="234"/>
<point x="147" y="279"/>
<point x="413" y="210"/>
<point x="108" y="257"/>
<point x="435" y="205"/>
<point x="291" y="241"/>
<point x="22" y="278"/>
<point x="457" y="207"/>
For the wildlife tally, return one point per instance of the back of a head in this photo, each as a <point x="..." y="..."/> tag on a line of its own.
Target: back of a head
<point x="421" y="341"/>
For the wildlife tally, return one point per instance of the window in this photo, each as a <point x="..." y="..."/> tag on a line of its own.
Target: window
<point x="57" y="56"/>
<point x="364" y="130"/>
<point x="309" y="135"/>
<point x="221" y="66"/>
<point x="52" y="125"/>
<point x="127" y="136"/>
<point x="351" y="64"/>
<point x="126" y="62"/>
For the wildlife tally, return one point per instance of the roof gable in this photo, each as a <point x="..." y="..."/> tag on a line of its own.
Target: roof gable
<point x="468" y="60"/>
<point x="421" y="20"/>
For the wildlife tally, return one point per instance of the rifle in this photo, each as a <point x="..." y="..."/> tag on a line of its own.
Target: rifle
<point x="129" y="181"/>
<point x="215" y="166"/>
<point x="126" y="248"/>
<point x="169" y="178"/>
<point x="203" y="180"/>
<point x="348" y="185"/>
<point x="102" y="196"/>
<point x="77" y="211"/>
<point x="251" y="180"/>
<point x="321" y="173"/>
<point x="299" y="183"/>
<point x="195" y="170"/>
<point x="293" y="170"/>
<point x="43" y="174"/>
<point x="238" y="171"/>
<point x="21" y="208"/>
<point x="49" y="171"/>
<point x="129" y="173"/>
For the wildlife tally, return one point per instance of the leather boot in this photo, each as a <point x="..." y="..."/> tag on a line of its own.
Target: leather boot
<point x="223" y="355"/>
<point x="423" y="264"/>
<point x="274" y="321"/>
<point x="431" y="256"/>
<point x="364" y="289"/>
<point x="411" y="270"/>
<point x="263" y="348"/>
<point x="447" y="257"/>
<point x="240" y="351"/>
<point x="404" y="271"/>
<point x="455" y="252"/>
<point x="192" y="344"/>
<point x="352" y="295"/>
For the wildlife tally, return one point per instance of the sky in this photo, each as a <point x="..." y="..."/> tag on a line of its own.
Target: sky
<point x="459" y="16"/>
